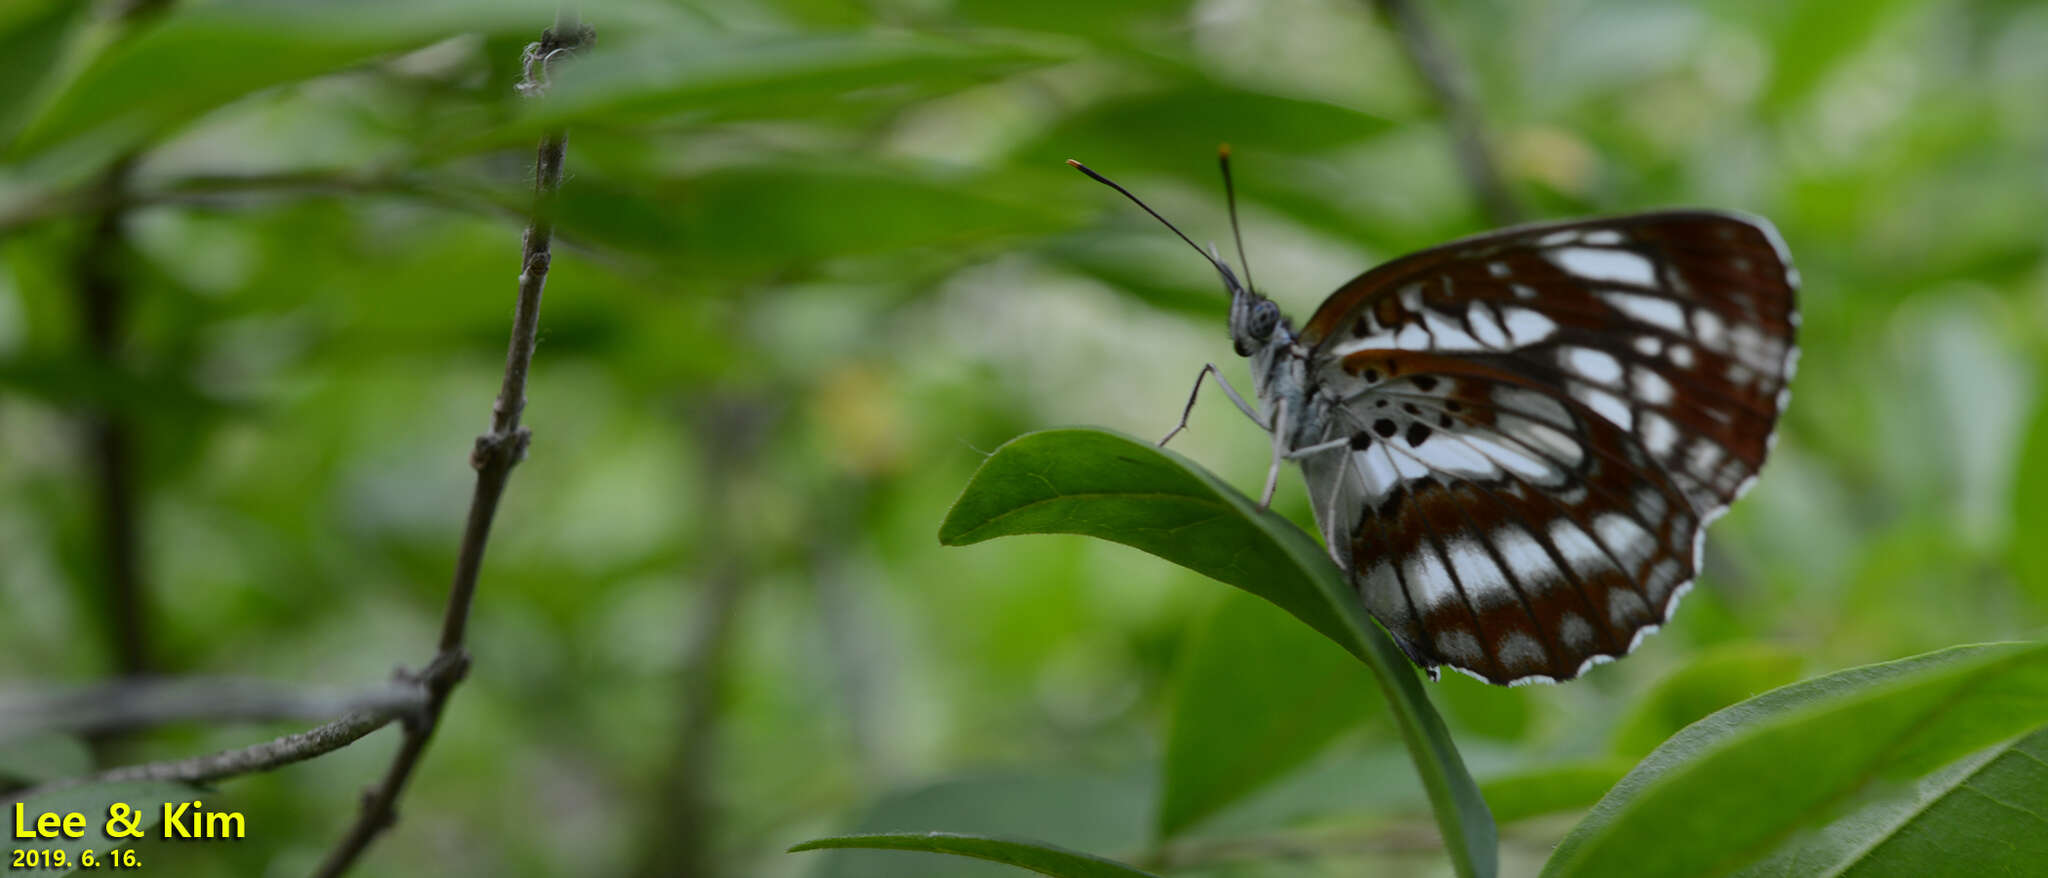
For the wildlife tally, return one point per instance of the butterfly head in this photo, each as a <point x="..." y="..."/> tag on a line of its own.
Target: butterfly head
<point x="1254" y="319"/>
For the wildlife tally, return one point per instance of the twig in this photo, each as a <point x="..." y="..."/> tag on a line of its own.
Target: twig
<point x="270" y="754"/>
<point x="850" y="639"/>
<point x="679" y="827"/>
<point x="1461" y="115"/>
<point x="849" y="633"/>
<point x="139" y="703"/>
<point x="207" y="190"/>
<point x="110" y="440"/>
<point x="235" y="190"/>
<point x="103" y="305"/>
<point x="493" y="458"/>
<point x="93" y="197"/>
<point x="678" y="835"/>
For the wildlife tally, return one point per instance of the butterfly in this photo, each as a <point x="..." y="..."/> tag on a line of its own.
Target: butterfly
<point x="1514" y="442"/>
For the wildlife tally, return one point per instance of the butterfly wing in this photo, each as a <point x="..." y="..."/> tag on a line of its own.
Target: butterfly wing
<point x="1542" y="421"/>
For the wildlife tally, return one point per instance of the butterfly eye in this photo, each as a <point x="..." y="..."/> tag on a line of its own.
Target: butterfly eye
<point x="1265" y="316"/>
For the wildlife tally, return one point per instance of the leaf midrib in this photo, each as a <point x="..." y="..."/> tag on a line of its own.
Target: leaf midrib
<point x="1749" y="853"/>
<point x="1993" y="753"/>
<point x="961" y="538"/>
<point x="1862" y="778"/>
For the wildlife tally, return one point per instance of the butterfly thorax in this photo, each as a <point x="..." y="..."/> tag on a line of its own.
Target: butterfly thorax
<point x="1286" y="391"/>
<point x="1281" y="376"/>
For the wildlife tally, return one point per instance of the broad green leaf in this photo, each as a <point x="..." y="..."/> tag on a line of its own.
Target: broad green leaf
<point x="1569" y="786"/>
<point x="1110" y="486"/>
<point x="1044" y="859"/>
<point x="1258" y="695"/>
<point x="1177" y="130"/>
<point x="1110" y="22"/>
<point x="43" y="757"/>
<point x="778" y="217"/>
<point x="1711" y="682"/>
<point x="1735" y="787"/>
<point x="194" y="60"/>
<point x="1284" y="147"/>
<point x="1366" y="783"/>
<point x="727" y="77"/>
<point x="145" y="798"/>
<point x="32" y="36"/>
<point x="1093" y="811"/>
<point x="72" y="379"/>
<point x="1985" y="815"/>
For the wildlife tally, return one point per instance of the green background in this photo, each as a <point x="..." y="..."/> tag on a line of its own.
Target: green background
<point x="816" y="259"/>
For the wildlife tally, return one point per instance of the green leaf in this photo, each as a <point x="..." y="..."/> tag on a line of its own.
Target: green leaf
<point x="1735" y="787"/>
<point x="1108" y="22"/>
<point x="1712" y="682"/>
<point x="1177" y="130"/>
<point x="1553" y="789"/>
<point x="43" y="757"/>
<point x="33" y="34"/>
<point x="778" y="217"/>
<point x="193" y="61"/>
<point x="1984" y="815"/>
<point x="1110" y="486"/>
<point x="1258" y="696"/>
<point x="93" y="800"/>
<point x="1092" y="811"/>
<point x="1044" y="859"/>
<point x="725" y="77"/>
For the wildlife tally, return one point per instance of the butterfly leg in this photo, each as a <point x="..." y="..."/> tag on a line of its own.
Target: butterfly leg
<point x="1318" y="448"/>
<point x="1279" y="453"/>
<point x="1210" y="370"/>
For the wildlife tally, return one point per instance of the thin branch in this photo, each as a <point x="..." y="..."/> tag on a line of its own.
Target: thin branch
<point x="286" y="750"/>
<point x="139" y="703"/>
<point x="1446" y="81"/>
<point x="494" y="456"/>
<point x="856" y="649"/>
<point x="851" y="638"/>
<point x="679" y="837"/>
<point x="236" y="190"/>
<point x="110" y="433"/>
<point x="680" y="827"/>
<point x="110" y="440"/>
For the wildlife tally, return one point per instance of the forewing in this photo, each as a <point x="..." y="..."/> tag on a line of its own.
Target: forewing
<point x="1542" y="422"/>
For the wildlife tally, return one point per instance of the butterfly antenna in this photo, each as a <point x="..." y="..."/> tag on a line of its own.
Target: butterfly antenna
<point x="1155" y="215"/>
<point x="1230" y="198"/>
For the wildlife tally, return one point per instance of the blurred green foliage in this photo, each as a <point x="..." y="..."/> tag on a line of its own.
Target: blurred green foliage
<point x="848" y="223"/>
